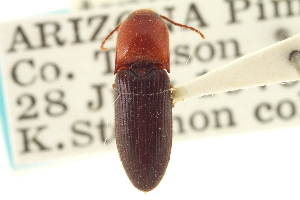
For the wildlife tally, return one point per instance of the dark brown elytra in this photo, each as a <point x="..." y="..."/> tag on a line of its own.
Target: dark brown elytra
<point x="143" y="102"/>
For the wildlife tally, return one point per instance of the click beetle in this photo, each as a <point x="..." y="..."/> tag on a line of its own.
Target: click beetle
<point x="143" y="99"/>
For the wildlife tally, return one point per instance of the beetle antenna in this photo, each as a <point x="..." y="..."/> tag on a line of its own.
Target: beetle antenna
<point x="108" y="36"/>
<point x="184" y="26"/>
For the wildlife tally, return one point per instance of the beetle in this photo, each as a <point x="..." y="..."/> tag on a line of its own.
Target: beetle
<point x="143" y="99"/>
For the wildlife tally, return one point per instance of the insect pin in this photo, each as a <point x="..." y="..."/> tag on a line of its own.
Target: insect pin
<point x="143" y="99"/>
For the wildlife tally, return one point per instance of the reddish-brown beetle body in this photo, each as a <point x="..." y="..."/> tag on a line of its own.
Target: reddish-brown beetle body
<point x="143" y="36"/>
<point x="143" y="103"/>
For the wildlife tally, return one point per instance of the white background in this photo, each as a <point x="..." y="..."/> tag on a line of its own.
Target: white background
<point x="259" y="165"/>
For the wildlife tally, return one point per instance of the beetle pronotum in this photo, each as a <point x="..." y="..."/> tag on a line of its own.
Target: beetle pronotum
<point x="143" y="102"/>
